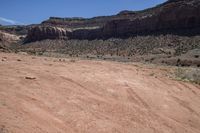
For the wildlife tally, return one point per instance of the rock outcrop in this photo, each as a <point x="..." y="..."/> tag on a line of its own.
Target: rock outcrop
<point x="172" y="16"/>
<point x="6" y="37"/>
<point x="38" y="33"/>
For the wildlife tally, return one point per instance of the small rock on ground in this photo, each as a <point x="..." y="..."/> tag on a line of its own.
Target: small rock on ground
<point x="29" y="77"/>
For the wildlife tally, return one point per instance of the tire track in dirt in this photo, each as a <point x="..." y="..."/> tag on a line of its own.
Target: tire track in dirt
<point x="135" y="97"/>
<point x="36" y="109"/>
<point x="92" y="92"/>
<point x="185" y="105"/>
<point x="152" y="115"/>
<point x="69" y="98"/>
<point x="188" y="87"/>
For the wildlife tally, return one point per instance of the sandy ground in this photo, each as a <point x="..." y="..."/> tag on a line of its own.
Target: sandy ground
<point x="45" y="95"/>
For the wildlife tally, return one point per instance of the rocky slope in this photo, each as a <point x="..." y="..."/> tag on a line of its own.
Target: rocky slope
<point x="165" y="49"/>
<point x="6" y="39"/>
<point x="174" y="16"/>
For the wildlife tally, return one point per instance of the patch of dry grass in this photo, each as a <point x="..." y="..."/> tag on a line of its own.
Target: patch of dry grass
<point x="188" y="74"/>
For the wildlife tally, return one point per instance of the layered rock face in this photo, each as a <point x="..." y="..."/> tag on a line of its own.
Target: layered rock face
<point x="172" y="16"/>
<point x="38" y="33"/>
<point x="6" y="40"/>
<point x="6" y="37"/>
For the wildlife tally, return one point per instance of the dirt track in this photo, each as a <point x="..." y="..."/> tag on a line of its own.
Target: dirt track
<point x="45" y="95"/>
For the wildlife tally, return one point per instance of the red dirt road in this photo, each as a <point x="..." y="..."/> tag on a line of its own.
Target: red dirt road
<point x="45" y="95"/>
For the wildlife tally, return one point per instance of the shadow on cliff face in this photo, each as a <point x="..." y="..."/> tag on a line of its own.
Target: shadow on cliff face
<point x="42" y="33"/>
<point x="176" y="17"/>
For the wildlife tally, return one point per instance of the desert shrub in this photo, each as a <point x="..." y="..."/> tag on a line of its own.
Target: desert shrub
<point x="188" y="74"/>
<point x="73" y="60"/>
<point x="134" y="45"/>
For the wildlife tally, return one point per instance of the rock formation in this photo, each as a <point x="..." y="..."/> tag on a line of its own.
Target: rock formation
<point x="38" y="33"/>
<point x="171" y="16"/>
<point x="6" y="37"/>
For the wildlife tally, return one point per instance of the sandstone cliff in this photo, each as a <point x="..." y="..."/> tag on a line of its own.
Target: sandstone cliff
<point x="6" y="37"/>
<point x="38" y="33"/>
<point x="172" y="16"/>
<point x="6" y="40"/>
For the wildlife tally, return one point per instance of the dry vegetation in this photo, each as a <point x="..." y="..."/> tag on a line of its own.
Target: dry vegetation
<point x="128" y="47"/>
<point x="167" y="49"/>
<point x="188" y="74"/>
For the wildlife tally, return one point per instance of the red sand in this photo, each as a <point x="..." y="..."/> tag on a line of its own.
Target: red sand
<point x="93" y="97"/>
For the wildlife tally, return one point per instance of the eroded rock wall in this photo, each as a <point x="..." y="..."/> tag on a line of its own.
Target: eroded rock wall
<point x="172" y="16"/>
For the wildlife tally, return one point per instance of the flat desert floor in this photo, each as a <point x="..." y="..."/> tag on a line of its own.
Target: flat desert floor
<point x="51" y="95"/>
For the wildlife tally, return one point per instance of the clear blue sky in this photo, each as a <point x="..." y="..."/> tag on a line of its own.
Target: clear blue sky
<point x="35" y="11"/>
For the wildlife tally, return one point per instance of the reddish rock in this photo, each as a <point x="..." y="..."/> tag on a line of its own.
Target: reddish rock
<point x="38" y="33"/>
<point x="172" y="16"/>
